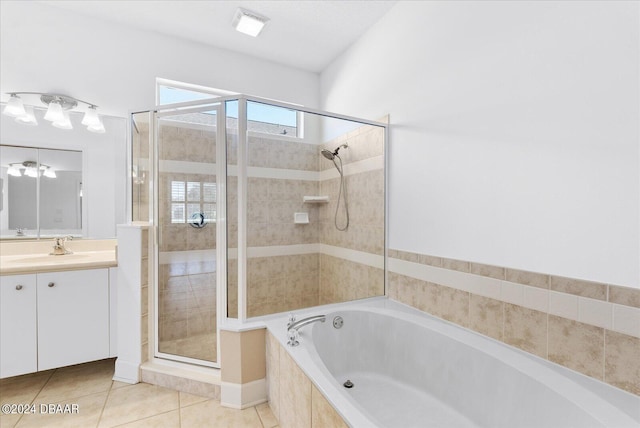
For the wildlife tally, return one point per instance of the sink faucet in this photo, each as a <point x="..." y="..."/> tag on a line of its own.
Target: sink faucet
<point x="19" y="231"/>
<point x="59" y="246"/>
<point x="292" y="329"/>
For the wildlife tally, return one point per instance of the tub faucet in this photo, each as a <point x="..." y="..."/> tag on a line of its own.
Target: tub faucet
<point x="59" y="248"/>
<point x="292" y="329"/>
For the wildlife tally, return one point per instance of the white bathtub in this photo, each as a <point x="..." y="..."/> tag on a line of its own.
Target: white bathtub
<point x="412" y="370"/>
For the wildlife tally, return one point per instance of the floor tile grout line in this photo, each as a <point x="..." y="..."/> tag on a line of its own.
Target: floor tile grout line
<point x="104" y="405"/>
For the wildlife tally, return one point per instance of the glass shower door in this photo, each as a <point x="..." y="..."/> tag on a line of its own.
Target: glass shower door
<point x="186" y="212"/>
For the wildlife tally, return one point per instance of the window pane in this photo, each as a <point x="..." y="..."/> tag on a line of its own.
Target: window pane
<point x="193" y="191"/>
<point x="209" y="211"/>
<point x="209" y="192"/>
<point x="192" y="209"/>
<point x="177" y="191"/>
<point x="177" y="213"/>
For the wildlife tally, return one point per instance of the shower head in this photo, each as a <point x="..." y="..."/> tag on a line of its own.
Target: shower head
<point x="330" y="155"/>
<point x="327" y="154"/>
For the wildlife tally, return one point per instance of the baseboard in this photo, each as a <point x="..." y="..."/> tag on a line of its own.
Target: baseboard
<point x="241" y="396"/>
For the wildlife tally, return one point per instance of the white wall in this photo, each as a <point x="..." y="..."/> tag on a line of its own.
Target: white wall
<point x="514" y="131"/>
<point x="46" y="49"/>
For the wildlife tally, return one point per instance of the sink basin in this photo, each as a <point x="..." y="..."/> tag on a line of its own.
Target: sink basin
<point x="46" y="259"/>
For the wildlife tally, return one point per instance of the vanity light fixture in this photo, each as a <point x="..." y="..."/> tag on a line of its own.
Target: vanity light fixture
<point x="30" y="169"/>
<point x="58" y="107"/>
<point x="248" y="22"/>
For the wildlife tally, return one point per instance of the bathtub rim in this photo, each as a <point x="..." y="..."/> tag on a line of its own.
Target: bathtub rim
<point x="604" y="399"/>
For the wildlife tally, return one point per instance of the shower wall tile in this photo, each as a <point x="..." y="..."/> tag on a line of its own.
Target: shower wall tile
<point x="561" y="326"/>
<point x="343" y="280"/>
<point x="281" y="283"/>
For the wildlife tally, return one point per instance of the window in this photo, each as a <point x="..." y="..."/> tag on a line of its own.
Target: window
<point x="189" y="199"/>
<point x="263" y="118"/>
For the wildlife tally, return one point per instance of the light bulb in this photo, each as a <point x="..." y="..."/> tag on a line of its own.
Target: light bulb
<point x="65" y="123"/>
<point x="54" y="112"/>
<point x="31" y="171"/>
<point x="29" y="118"/>
<point x="14" y="107"/>
<point x="49" y="173"/>
<point x="98" y="129"/>
<point x="14" y="170"/>
<point x="91" y="117"/>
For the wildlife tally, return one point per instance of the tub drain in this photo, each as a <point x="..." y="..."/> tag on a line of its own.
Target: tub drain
<point x="348" y="384"/>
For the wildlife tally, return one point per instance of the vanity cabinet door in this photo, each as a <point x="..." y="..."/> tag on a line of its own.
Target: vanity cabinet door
<point x="73" y="317"/>
<point x="18" y="337"/>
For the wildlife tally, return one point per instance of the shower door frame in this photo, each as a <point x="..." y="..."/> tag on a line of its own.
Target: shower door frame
<point x="197" y="106"/>
<point x="219" y="103"/>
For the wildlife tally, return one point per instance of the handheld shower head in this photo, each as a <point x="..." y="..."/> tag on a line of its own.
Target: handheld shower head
<point x="327" y="154"/>
<point x="330" y="155"/>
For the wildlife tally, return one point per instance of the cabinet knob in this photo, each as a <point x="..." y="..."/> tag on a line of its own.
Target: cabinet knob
<point x="18" y="287"/>
<point x="51" y="284"/>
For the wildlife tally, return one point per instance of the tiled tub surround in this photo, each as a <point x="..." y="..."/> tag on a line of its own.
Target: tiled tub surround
<point x="589" y="327"/>
<point x="399" y="356"/>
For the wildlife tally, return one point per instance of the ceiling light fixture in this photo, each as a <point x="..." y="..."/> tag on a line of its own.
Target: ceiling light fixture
<point x="58" y="107"/>
<point x="248" y="22"/>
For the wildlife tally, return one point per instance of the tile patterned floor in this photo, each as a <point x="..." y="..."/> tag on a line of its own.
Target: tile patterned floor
<point x="103" y="402"/>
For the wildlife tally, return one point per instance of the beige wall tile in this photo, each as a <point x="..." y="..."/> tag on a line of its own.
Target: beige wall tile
<point x="323" y="415"/>
<point x="430" y="260"/>
<point x="622" y="362"/>
<point x="453" y="305"/>
<point x="624" y="296"/>
<point x="295" y="394"/>
<point x="273" y="374"/>
<point x="525" y="329"/>
<point x="593" y="290"/>
<point x="528" y="278"/>
<point x="487" y="270"/>
<point x="577" y="346"/>
<point x="486" y="316"/>
<point x="452" y="264"/>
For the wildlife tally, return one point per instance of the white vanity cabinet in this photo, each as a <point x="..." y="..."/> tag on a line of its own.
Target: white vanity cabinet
<point x="18" y="325"/>
<point x="54" y="319"/>
<point x="73" y="317"/>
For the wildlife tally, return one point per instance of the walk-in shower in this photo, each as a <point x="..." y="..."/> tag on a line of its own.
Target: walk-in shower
<point x="342" y="194"/>
<point x="253" y="176"/>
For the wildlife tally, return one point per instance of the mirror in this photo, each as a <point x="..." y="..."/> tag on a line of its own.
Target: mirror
<point x="94" y="165"/>
<point x="54" y="175"/>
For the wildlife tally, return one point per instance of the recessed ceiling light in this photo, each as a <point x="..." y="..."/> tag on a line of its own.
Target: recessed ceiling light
<point x="248" y="22"/>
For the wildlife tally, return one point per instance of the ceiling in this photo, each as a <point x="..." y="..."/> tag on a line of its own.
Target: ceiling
<point x="305" y="34"/>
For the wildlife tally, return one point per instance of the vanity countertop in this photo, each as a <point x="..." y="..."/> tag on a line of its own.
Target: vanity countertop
<point x="33" y="257"/>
